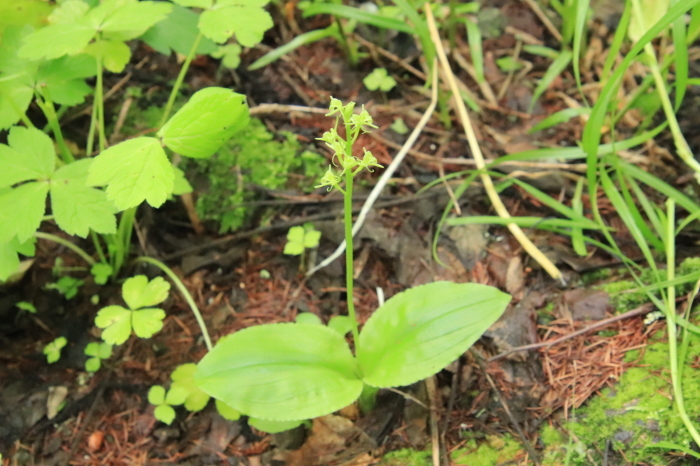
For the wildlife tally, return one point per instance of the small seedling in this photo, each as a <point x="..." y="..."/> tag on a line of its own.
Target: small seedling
<point x="67" y="286"/>
<point x="164" y="403"/>
<point x="26" y="306"/>
<point x="183" y="379"/>
<point x="140" y="295"/>
<point x="53" y="349"/>
<point x="379" y="80"/>
<point x="97" y="352"/>
<point x="399" y="126"/>
<point x="101" y="271"/>
<point x="301" y="238"/>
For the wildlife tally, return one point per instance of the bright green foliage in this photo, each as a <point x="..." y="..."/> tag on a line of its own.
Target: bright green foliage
<point x="97" y="352"/>
<point x="19" y="13"/>
<point x="206" y="122"/>
<point x="379" y="80"/>
<point x="67" y="286"/>
<point x="308" y="318"/>
<point x="9" y="260"/>
<point x="134" y="170"/>
<point x="281" y="372"/>
<point x="273" y="427"/>
<point x="139" y="294"/>
<point x="230" y="55"/>
<point x="298" y="371"/>
<point x="495" y="450"/>
<point x="26" y="306"/>
<point x="183" y="378"/>
<point x="246" y="19"/>
<point x="164" y="403"/>
<point x="30" y="158"/>
<point x="73" y="25"/>
<point x="399" y="126"/>
<point x="341" y="324"/>
<point x="262" y="160"/>
<point x="101" y="271"/>
<point x="115" y="54"/>
<point x="651" y="11"/>
<point x="53" y="349"/>
<point x="300" y="238"/>
<point x="177" y="33"/>
<point x="226" y="411"/>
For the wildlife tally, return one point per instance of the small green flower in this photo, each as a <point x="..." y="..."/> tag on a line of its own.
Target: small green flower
<point x="330" y="179"/>
<point x="370" y="160"/>
<point x="362" y="121"/>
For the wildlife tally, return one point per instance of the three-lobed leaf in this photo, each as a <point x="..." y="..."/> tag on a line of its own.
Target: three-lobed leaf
<point x="420" y="331"/>
<point x="246" y="19"/>
<point x="281" y="372"/>
<point x="139" y="292"/>
<point x="134" y="171"/>
<point x="206" y="122"/>
<point x="183" y="378"/>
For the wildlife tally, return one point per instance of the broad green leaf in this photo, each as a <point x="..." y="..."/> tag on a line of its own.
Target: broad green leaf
<point x="293" y="248"/>
<point x="138" y="292"/>
<point x="17" y="80"/>
<point x="341" y="324"/>
<point x="56" y="40"/>
<point x="69" y="12"/>
<point x="420" y="331"/>
<point x="21" y="93"/>
<point x="180" y="185"/>
<point x="29" y="156"/>
<point x="230" y="55"/>
<point x="183" y="377"/>
<point x="115" y="54"/>
<point x="78" y="208"/>
<point x="64" y="78"/>
<point x="156" y="395"/>
<point x="246" y="19"/>
<point x="136" y="16"/>
<point x="101" y="271"/>
<point x="195" y="3"/>
<point x="308" y="318"/>
<point x="164" y="413"/>
<point x="21" y="210"/>
<point x="12" y="40"/>
<point x="296" y="234"/>
<point x="116" y="322"/>
<point x="206" y="122"/>
<point x="281" y="372"/>
<point x="273" y="427"/>
<point x="226" y="411"/>
<point x="134" y="171"/>
<point x="651" y="11"/>
<point x="147" y="322"/>
<point x="177" y="33"/>
<point x="19" y="13"/>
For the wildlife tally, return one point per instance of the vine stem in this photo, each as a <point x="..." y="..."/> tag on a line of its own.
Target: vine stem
<point x="178" y="81"/>
<point x="64" y="242"/>
<point x="671" y="322"/>
<point x="185" y="294"/>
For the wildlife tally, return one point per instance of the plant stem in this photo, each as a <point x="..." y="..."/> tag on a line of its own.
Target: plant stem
<point x="185" y="294"/>
<point x="347" y="197"/>
<point x="671" y="321"/>
<point x="122" y="240"/>
<point x="98" y="246"/>
<point x="178" y="81"/>
<point x="50" y="112"/>
<point x="64" y="242"/>
<point x="99" y="106"/>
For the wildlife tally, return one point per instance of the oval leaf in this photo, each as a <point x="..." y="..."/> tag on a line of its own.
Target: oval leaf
<point x="206" y="122"/>
<point x="420" y="331"/>
<point x="281" y="372"/>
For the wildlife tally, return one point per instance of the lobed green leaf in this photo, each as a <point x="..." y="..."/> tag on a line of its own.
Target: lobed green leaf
<point x="138" y="292"/>
<point x="246" y="19"/>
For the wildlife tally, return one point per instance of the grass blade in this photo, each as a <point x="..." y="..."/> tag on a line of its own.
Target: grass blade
<point x="554" y="70"/>
<point x="298" y="41"/>
<point x="362" y="16"/>
<point x="577" y="233"/>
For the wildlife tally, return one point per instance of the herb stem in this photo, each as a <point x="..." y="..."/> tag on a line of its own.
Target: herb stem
<point x="50" y="112"/>
<point x="64" y="242"/>
<point x="185" y="294"/>
<point x="99" y="105"/>
<point x="349" y="273"/>
<point x="180" y="78"/>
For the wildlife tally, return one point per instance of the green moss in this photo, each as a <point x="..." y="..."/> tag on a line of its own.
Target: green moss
<point x="406" y="457"/>
<point x="492" y="451"/>
<point x="639" y="411"/>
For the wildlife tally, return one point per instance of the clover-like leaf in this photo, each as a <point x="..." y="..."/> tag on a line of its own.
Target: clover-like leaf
<point x="53" y="349"/>
<point x="101" y="271"/>
<point x="206" y="122"/>
<point x="379" y="79"/>
<point x="134" y="170"/>
<point x="164" y="402"/>
<point x="139" y="292"/>
<point x="156" y="395"/>
<point x="183" y="378"/>
<point x="230" y="55"/>
<point x="78" y="208"/>
<point x="135" y="16"/>
<point x="164" y="413"/>
<point x="97" y="352"/>
<point x="295" y="241"/>
<point x="56" y="40"/>
<point x="226" y="411"/>
<point x="177" y="33"/>
<point x="283" y="372"/>
<point x="420" y="331"/>
<point x="246" y="19"/>
<point x="116" y="322"/>
<point x="147" y="322"/>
